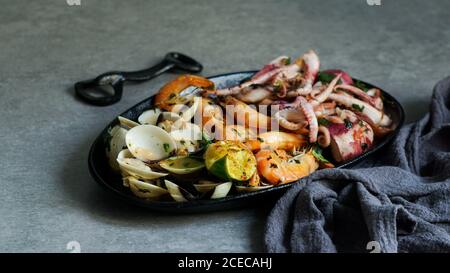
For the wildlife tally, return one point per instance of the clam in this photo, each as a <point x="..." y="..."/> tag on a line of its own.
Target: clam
<point x="178" y="193"/>
<point x="221" y="190"/>
<point x="131" y="166"/>
<point x="127" y="123"/>
<point x="216" y="190"/>
<point x="144" y="189"/>
<point x="149" y="143"/>
<point x="205" y="186"/>
<point x="182" y="164"/>
<point x="252" y="189"/>
<point x="188" y="138"/>
<point x="115" y="144"/>
<point x="150" y="116"/>
<point x="170" y="121"/>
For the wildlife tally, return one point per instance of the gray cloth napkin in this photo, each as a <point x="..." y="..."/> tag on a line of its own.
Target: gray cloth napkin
<point x="398" y="200"/>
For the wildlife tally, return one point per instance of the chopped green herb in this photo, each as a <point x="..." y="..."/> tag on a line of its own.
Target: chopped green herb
<point x="287" y="61"/>
<point x="166" y="147"/>
<point x="182" y="142"/>
<point x="348" y="124"/>
<point x="204" y="143"/>
<point x="325" y="77"/>
<point x="361" y="85"/>
<point x="317" y="153"/>
<point x="358" y="107"/>
<point x="324" y="122"/>
<point x="260" y="139"/>
<point x="361" y="123"/>
<point x="277" y="85"/>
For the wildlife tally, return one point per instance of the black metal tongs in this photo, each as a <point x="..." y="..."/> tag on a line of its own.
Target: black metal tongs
<point x="89" y="91"/>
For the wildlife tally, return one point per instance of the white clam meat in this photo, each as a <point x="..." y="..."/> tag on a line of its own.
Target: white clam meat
<point x="188" y="138"/>
<point x="170" y="121"/>
<point x="131" y="166"/>
<point x="149" y="143"/>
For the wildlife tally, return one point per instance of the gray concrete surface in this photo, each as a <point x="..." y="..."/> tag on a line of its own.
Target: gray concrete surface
<point x="47" y="197"/>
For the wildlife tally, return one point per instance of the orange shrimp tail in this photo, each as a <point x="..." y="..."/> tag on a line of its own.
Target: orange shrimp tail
<point x="168" y="95"/>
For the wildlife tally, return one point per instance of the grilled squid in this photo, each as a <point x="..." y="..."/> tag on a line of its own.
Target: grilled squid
<point x="296" y="117"/>
<point x="376" y="116"/>
<point x="324" y="139"/>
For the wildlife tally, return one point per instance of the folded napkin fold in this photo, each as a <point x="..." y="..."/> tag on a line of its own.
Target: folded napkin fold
<point x="397" y="201"/>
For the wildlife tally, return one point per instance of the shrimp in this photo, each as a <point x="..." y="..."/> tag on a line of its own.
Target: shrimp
<point x="277" y="167"/>
<point x="246" y="115"/>
<point x="214" y="123"/>
<point x="169" y="95"/>
<point x="276" y="140"/>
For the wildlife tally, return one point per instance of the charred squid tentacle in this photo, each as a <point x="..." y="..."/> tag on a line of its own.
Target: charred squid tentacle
<point x="360" y="94"/>
<point x="376" y="116"/>
<point x="326" y="93"/>
<point x="308" y="111"/>
<point x="324" y="138"/>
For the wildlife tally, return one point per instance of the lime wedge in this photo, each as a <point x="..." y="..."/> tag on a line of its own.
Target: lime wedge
<point x="230" y="160"/>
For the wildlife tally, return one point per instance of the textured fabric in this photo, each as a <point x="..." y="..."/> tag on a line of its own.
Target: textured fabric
<point x="400" y="198"/>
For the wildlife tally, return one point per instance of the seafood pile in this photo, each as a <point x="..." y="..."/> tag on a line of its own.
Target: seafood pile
<point x="286" y="121"/>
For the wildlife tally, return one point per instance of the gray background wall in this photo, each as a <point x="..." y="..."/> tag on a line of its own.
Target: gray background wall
<point x="47" y="197"/>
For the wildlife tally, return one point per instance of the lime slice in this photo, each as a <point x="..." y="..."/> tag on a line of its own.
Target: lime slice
<point x="182" y="164"/>
<point x="230" y="160"/>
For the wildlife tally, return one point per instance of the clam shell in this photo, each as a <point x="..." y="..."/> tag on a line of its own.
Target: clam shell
<point x="127" y="123"/>
<point x="170" y="121"/>
<point x="218" y="190"/>
<point x="134" y="167"/>
<point x="115" y="145"/>
<point x="205" y="186"/>
<point x="175" y="191"/>
<point x="182" y="164"/>
<point x="150" y="116"/>
<point x="144" y="189"/>
<point x="149" y="142"/>
<point x="252" y="189"/>
<point x="221" y="190"/>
